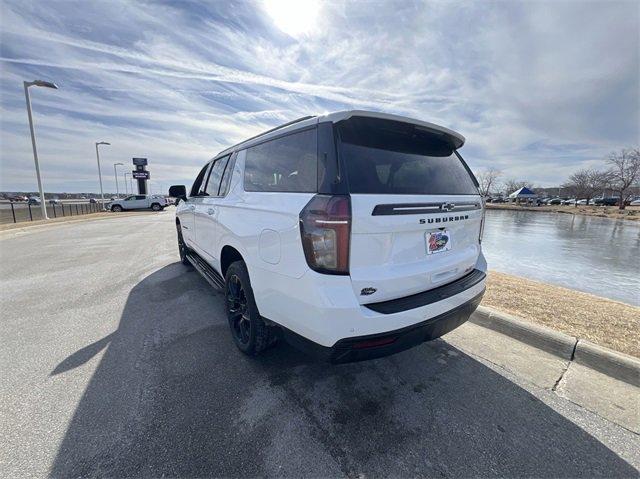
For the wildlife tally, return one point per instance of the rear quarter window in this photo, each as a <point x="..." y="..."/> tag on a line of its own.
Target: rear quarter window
<point x="285" y="164"/>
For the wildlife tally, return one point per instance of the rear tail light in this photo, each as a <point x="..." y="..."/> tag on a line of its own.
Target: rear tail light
<point x="325" y="227"/>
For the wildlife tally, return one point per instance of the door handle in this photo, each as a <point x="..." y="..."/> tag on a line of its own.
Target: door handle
<point x="211" y="211"/>
<point x="192" y="207"/>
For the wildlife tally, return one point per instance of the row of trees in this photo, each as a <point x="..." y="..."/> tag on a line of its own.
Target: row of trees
<point x="490" y="181"/>
<point x="621" y="175"/>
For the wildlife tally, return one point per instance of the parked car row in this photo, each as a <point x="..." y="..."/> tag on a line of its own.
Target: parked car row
<point x="555" y="201"/>
<point x="35" y="200"/>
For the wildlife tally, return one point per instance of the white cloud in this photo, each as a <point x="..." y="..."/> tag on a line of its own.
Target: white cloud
<point x="528" y="84"/>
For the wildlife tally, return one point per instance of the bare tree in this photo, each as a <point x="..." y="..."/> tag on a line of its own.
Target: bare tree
<point x="585" y="183"/>
<point x="488" y="179"/>
<point x="624" y="172"/>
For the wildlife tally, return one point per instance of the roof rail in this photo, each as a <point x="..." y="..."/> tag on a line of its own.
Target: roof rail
<point x="277" y="128"/>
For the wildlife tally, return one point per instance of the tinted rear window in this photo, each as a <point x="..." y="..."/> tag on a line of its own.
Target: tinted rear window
<point x="289" y="164"/>
<point x="390" y="157"/>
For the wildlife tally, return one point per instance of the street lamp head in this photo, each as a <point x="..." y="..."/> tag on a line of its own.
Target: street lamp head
<point x="103" y="143"/>
<point x="122" y="164"/>
<point x="45" y="84"/>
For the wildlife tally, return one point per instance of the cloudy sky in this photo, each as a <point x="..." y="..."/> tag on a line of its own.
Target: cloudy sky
<point x="538" y="88"/>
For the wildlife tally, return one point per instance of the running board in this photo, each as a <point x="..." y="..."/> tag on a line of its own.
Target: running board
<point x="205" y="269"/>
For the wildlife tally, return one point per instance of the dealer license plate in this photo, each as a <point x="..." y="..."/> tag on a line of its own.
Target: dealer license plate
<point x="438" y="241"/>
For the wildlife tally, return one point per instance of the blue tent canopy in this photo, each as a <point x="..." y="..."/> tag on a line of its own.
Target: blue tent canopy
<point x="523" y="192"/>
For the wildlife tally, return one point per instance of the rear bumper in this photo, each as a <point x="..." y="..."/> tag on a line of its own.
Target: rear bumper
<point x="373" y="346"/>
<point x="428" y="297"/>
<point x="324" y="309"/>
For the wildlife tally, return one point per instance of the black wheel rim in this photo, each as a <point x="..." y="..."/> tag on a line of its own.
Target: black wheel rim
<point x="238" y="310"/>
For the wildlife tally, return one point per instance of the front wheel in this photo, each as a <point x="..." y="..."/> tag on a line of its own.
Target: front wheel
<point x="116" y="208"/>
<point x="156" y="207"/>
<point x="249" y="331"/>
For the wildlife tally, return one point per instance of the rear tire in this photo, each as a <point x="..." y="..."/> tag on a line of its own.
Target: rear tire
<point x="156" y="207"/>
<point x="116" y="208"/>
<point x="249" y="331"/>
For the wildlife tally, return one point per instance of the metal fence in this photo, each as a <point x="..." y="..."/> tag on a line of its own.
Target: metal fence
<point x="16" y="212"/>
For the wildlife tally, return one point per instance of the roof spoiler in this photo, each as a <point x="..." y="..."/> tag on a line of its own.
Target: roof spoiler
<point x="456" y="139"/>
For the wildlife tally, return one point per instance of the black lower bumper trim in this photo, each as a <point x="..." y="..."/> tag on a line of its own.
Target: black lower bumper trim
<point x="383" y="344"/>
<point x="427" y="297"/>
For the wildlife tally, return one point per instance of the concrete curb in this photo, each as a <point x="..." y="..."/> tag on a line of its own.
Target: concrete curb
<point x="612" y="363"/>
<point x="554" y="342"/>
<point x="617" y="365"/>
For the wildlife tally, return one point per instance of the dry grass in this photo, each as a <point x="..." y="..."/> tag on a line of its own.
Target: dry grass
<point x="631" y="213"/>
<point x="602" y="321"/>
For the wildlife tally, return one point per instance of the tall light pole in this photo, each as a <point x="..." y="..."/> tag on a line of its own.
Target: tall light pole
<point x="45" y="84"/>
<point x="126" y="188"/>
<point x="115" y="173"/>
<point x="100" y="171"/>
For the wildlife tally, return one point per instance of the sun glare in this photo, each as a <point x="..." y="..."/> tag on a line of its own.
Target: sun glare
<point x="293" y="17"/>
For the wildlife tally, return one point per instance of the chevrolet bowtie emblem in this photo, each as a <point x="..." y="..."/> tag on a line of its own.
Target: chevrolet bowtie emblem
<point x="447" y="206"/>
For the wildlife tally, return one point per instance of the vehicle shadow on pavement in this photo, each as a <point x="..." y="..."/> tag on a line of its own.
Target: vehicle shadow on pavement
<point x="173" y="396"/>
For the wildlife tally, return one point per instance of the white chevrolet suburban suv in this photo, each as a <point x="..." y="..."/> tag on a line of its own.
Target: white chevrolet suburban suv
<point x="351" y="235"/>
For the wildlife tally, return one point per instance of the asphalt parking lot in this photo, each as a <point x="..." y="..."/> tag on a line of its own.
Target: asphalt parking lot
<point x="117" y="361"/>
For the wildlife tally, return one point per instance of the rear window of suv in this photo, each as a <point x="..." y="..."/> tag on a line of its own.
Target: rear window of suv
<point x="391" y="157"/>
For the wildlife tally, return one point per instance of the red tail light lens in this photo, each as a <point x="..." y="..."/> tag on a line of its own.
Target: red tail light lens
<point x="325" y="227"/>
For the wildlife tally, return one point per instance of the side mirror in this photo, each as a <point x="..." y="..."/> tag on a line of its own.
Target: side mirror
<point x="179" y="192"/>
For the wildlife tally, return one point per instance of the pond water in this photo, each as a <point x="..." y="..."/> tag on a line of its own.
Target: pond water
<point x="596" y="255"/>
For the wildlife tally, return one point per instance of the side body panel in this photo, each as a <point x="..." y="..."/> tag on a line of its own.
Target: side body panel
<point x="263" y="227"/>
<point x="185" y="214"/>
<point x="203" y="225"/>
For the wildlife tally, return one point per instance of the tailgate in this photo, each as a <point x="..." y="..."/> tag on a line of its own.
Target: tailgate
<point x="406" y="244"/>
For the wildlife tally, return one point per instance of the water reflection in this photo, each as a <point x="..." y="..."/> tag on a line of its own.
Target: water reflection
<point x="596" y="255"/>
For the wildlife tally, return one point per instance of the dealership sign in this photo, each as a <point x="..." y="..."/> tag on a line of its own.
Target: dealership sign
<point x="140" y="175"/>
<point x="140" y="161"/>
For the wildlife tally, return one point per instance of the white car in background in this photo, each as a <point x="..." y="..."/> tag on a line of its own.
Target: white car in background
<point x="351" y="235"/>
<point x="635" y="202"/>
<point x="138" y="202"/>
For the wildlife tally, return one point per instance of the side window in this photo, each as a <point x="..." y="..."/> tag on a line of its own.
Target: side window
<point x="213" y="186"/>
<point x="200" y="180"/>
<point x="226" y="178"/>
<point x="130" y="198"/>
<point x="139" y="197"/>
<point x="202" y="191"/>
<point x="287" y="164"/>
